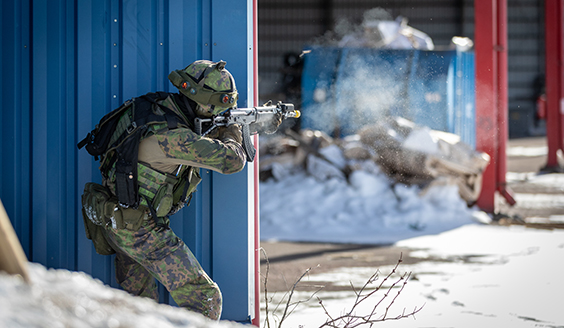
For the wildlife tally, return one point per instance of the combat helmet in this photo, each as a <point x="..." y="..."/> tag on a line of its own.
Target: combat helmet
<point x="207" y="83"/>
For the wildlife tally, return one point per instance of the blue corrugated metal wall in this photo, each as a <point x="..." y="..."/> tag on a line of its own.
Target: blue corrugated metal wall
<point x="64" y="65"/>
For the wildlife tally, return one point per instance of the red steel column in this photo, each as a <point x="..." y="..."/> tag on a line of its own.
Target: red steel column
<point x="502" y="99"/>
<point x="491" y="96"/>
<point x="486" y="95"/>
<point x="554" y="85"/>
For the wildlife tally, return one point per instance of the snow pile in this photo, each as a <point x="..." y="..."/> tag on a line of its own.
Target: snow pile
<point x="391" y="181"/>
<point x="61" y="298"/>
<point x="329" y="197"/>
<point x="369" y="209"/>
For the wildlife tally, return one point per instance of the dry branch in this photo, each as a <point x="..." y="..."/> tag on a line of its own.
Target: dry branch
<point x="350" y="319"/>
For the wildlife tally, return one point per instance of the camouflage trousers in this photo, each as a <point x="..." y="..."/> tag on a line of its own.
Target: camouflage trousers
<point x="152" y="253"/>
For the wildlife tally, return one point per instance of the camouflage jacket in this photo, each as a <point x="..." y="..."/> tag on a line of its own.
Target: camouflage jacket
<point x="165" y="156"/>
<point x="167" y="150"/>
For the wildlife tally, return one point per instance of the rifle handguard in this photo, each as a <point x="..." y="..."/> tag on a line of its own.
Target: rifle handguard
<point x="245" y="117"/>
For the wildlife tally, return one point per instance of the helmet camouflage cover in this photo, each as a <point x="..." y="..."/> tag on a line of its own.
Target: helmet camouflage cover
<point x="207" y="83"/>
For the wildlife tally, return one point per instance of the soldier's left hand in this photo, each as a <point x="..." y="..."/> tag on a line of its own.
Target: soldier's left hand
<point x="273" y="125"/>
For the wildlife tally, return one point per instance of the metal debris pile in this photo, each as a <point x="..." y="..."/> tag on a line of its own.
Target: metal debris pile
<point x="405" y="152"/>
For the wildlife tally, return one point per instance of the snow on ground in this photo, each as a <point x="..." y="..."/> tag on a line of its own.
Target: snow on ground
<point x="65" y="299"/>
<point x="470" y="274"/>
<point x="527" y="151"/>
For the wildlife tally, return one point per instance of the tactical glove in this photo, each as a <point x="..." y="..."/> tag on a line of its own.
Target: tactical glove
<point x="232" y="132"/>
<point x="266" y="127"/>
<point x="274" y="124"/>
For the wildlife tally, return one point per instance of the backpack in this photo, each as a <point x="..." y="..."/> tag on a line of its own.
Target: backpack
<point x="115" y="141"/>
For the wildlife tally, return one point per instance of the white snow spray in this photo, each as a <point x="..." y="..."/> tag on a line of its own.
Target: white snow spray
<point x="366" y="88"/>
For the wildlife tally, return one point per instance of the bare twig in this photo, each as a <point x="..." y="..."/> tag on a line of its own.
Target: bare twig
<point x="405" y="278"/>
<point x="289" y="305"/>
<point x="293" y="306"/>
<point x="266" y="320"/>
<point x="351" y="320"/>
<point x="324" y="309"/>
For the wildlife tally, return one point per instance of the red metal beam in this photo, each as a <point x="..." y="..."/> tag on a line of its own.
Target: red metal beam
<point x="502" y="100"/>
<point x="554" y="76"/>
<point x="486" y="94"/>
<point x="490" y="44"/>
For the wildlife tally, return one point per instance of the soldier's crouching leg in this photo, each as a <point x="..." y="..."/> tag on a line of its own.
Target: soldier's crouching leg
<point x="169" y="260"/>
<point x="134" y="278"/>
<point x="189" y="285"/>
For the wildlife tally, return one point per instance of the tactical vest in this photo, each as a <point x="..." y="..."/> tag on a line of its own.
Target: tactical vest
<point x="116" y="141"/>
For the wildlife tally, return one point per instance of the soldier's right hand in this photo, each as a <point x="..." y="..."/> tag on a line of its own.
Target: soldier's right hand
<point x="232" y="131"/>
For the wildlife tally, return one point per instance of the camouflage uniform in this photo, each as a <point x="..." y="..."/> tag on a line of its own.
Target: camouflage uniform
<point x="151" y="252"/>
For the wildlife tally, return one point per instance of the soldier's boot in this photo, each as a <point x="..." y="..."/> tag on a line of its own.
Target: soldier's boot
<point x="200" y="295"/>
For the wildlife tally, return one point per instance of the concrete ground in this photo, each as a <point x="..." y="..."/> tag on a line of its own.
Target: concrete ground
<point x="287" y="261"/>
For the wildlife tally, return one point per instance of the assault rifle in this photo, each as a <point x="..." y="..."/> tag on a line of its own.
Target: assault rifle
<point x="256" y="116"/>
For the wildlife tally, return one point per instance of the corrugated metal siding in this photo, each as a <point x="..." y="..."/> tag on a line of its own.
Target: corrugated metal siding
<point x="438" y="18"/>
<point x="15" y="165"/>
<point x="287" y="26"/>
<point x="53" y="211"/>
<point x="67" y="63"/>
<point x="525" y="61"/>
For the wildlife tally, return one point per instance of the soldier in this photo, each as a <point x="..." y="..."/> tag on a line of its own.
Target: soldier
<point x="168" y="163"/>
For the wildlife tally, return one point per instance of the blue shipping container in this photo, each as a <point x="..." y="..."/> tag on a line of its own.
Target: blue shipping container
<point x="344" y="89"/>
